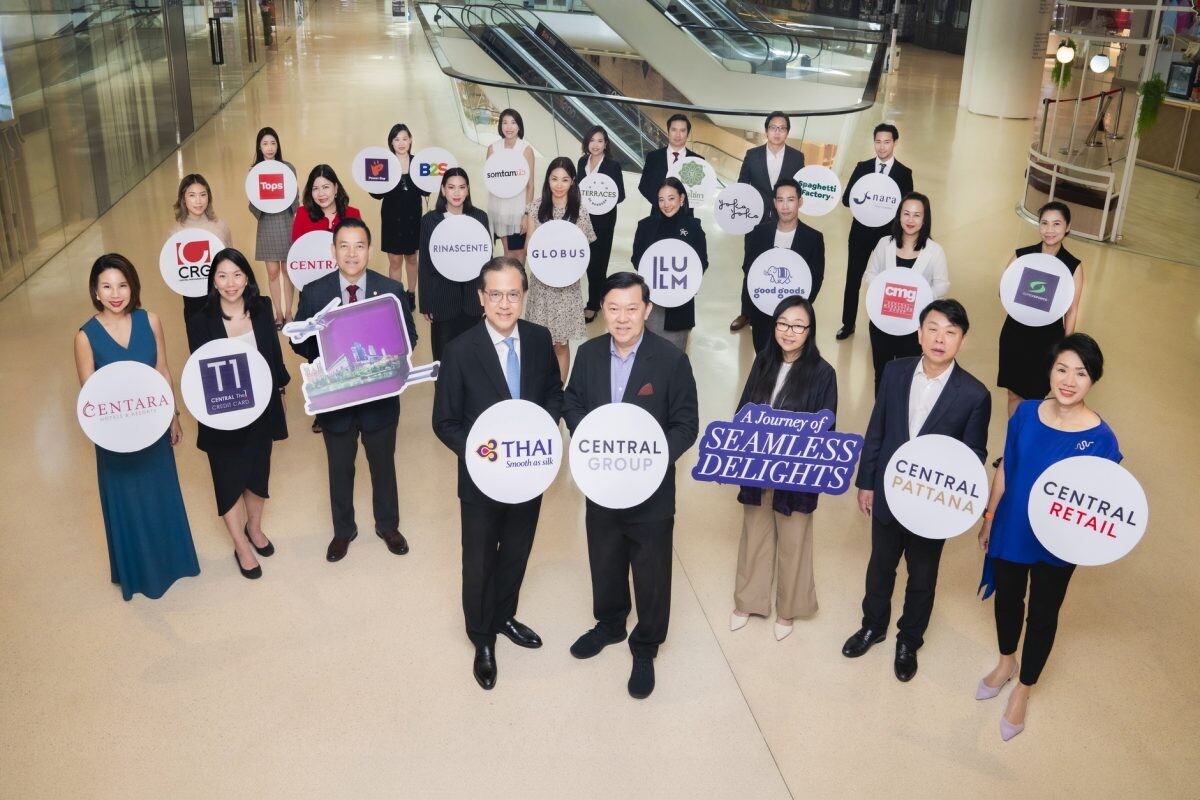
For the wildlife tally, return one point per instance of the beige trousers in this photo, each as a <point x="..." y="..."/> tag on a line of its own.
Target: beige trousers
<point x="773" y="543"/>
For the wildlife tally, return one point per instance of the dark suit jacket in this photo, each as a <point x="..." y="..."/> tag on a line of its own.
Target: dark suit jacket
<point x="671" y="399"/>
<point x="471" y="381"/>
<point x="612" y="169"/>
<point x="686" y="228"/>
<point x="903" y="177"/>
<point x="378" y="413"/>
<point x="754" y="172"/>
<point x="808" y="242"/>
<point x="443" y="298"/>
<point x="962" y="411"/>
<point x="654" y="172"/>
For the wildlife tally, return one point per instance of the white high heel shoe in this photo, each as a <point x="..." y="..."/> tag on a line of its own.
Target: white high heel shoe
<point x="782" y="631"/>
<point x="737" y="621"/>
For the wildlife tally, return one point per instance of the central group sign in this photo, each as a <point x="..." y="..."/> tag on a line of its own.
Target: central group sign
<point x="619" y="455"/>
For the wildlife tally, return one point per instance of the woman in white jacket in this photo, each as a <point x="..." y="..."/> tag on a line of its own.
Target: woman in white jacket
<point x="909" y="247"/>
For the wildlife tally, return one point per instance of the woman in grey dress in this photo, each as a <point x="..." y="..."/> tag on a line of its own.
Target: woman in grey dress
<point x="274" y="237"/>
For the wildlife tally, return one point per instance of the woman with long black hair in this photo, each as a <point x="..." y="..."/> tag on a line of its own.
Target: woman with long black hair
<point x="274" y="236"/>
<point x="596" y="158"/>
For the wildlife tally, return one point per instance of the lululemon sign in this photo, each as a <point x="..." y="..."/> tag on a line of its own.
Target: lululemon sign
<point x="271" y="186"/>
<point x="505" y="173"/>
<point x="672" y="270"/>
<point x="558" y="253"/>
<point x="185" y="259"/>
<point x="895" y="299"/>
<point x="1088" y="510"/>
<point x="125" y="406"/>
<point x="599" y="193"/>
<point x="514" y="451"/>
<point x="935" y="486"/>
<point x="459" y="247"/>
<point x="738" y="208"/>
<point x="310" y="257"/>
<point x="376" y="170"/>
<point x="820" y="189"/>
<point x="619" y="455"/>
<point x="874" y="200"/>
<point x="698" y="178"/>
<point x="428" y="166"/>
<point x="1037" y="289"/>
<point x="226" y="384"/>
<point x="777" y="274"/>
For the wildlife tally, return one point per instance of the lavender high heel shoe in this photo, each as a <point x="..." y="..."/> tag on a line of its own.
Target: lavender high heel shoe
<point x="985" y="692"/>
<point x="1009" y="730"/>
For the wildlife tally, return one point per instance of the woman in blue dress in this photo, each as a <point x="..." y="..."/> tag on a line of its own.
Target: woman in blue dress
<point x="149" y="541"/>
<point x="1040" y="433"/>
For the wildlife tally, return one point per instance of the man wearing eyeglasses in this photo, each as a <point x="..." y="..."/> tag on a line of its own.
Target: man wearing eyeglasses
<point x="503" y="357"/>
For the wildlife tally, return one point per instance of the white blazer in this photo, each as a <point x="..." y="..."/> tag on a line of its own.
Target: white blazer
<point x="931" y="263"/>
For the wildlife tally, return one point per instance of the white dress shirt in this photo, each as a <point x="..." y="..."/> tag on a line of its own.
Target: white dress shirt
<point x="924" y="395"/>
<point x="501" y="347"/>
<point x="775" y="164"/>
<point x="887" y="165"/>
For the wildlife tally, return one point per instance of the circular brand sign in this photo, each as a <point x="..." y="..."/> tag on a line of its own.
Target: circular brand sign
<point x="599" y="193"/>
<point x="185" y="260"/>
<point x="821" y="190"/>
<point x="558" y="253"/>
<point x="776" y="274"/>
<point x="672" y="271"/>
<point x="738" y="209"/>
<point x="698" y="178"/>
<point x="1037" y="289"/>
<point x="874" y="200"/>
<point x="427" y="167"/>
<point x="514" y="451"/>
<point x="895" y="299"/>
<point x="226" y="384"/>
<point x="125" y="406"/>
<point x="619" y="455"/>
<point x="936" y="486"/>
<point x="271" y="186"/>
<point x="376" y="170"/>
<point x="459" y="247"/>
<point x="505" y="173"/>
<point x="310" y="257"/>
<point x="1088" y="510"/>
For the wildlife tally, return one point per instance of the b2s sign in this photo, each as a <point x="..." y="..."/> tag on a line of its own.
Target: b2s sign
<point x="429" y="166"/>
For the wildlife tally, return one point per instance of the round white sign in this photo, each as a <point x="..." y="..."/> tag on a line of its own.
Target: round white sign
<point x="376" y="170"/>
<point x="514" y="451"/>
<point x="185" y="260"/>
<point x="619" y="455"/>
<point x="271" y="186"/>
<point x="672" y="271"/>
<point x="125" y="406"/>
<point x="1088" y="510"/>
<point x="821" y="189"/>
<point x="698" y="178"/>
<point x="226" y="384"/>
<point x="427" y="167"/>
<point x="895" y="299"/>
<point x="1037" y="289"/>
<point x="775" y="275"/>
<point x="558" y="253"/>
<point x="738" y="209"/>
<point x="459" y="247"/>
<point x="874" y="200"/>
<point x="505" y="173"/>
<point x="936" y="486"/>
<point x="310" y="257"/>
<point x="599" y="193"/>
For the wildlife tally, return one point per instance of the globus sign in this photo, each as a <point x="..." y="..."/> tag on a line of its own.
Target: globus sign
<point x="185" y="259"/>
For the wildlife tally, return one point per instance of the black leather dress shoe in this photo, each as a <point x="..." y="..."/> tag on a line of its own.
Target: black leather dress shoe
<point x="338" y="547"/>
<point x="520" y="634"/>
<point x="593" y="642"/>
<point x="641" y="678"/>
<point x="861" y="642"/>
<point x="906" y="662"/>
<point x="844" y="332"/>
<point x="268" y="550"/>
<point x="252" y="574"/>
<point x="395" y="541"/>
<point x="485" y="666"/>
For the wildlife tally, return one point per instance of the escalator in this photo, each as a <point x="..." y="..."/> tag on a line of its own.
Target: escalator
<point x="739" y="33"/>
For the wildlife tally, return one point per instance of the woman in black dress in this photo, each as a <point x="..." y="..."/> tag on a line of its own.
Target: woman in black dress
<point x="400" y="216"/>
<point x="1025" y="350"/>
<point x="240" y="460"/>
<point x="596" y="158"/>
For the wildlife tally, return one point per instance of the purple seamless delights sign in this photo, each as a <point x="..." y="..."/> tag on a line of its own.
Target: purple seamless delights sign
<point x="771" y="449"/>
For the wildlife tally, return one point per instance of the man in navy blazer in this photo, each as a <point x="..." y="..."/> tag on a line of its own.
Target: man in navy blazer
<point x="917" y="396"/>
<point x="660" y="162"/>
<point x="477" y="372"/>
<point x="375" y="421"/>
<point x="630" y="364"/>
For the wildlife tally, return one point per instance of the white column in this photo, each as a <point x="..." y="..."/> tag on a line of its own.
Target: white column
<point x="1005" y="57"/>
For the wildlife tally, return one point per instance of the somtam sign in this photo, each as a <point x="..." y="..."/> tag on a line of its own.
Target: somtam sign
<point x="619" y="455"/>
<point x="514" y="451"/>
<point x="505" y="173"/>
<point x="935" y="486"/>
<point x="310" y="257"/>
<point x="125" y="406"/>
<point x="1088" y="510"/>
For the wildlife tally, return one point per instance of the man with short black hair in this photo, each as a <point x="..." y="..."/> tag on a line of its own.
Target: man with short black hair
<point x="665" y="160"/>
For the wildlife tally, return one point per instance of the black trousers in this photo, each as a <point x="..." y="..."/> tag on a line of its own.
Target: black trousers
<point x="615" y="548"/>
<point x="341" y="450"/>
<point x="748" y="307"/>
<point x="885" y="347"/>
<point x="762" y="330"/>
<point x="1047" y="588"/>
<point x="442" y="332"/>
<point x="601" y="253"/>
<point x="862" y="242"/>
<point x="495" y="550"/>
<point x="890" y="540"/>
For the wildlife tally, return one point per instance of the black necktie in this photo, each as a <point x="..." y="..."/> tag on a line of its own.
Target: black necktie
<point x="882" y="167"/>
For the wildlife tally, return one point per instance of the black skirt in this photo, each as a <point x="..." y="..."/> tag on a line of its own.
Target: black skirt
<point x="1025" y="357"/>
<point x="240" y="468"/>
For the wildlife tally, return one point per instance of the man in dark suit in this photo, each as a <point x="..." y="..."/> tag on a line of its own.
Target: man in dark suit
<point x="665" y="160"/>
<point x="862" y="238"/>
<point x="501" y="358"/>
<point x="375" y="421"/>
<point x="630" y="364"/>
<point x="785" y="230"/>
<point x="917" y="396"/>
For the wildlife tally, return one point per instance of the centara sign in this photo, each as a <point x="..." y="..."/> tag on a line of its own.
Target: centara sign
<point x="772" y="449"/>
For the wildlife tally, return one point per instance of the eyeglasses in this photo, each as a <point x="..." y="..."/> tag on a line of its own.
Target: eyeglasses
<point x="777" y="129"/>
<point x="495" y="297"/>
<point x="784" y="327"/>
